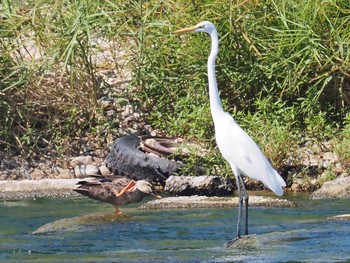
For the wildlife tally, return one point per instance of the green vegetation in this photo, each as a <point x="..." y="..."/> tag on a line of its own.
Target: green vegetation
<point x="283" y="71"/>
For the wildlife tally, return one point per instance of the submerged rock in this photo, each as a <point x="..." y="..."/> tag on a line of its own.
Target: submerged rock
<point x="205" y="202"/>
<point x="199" y="185"/>
<point x="78" y="223"/>
<point x="339" y="217"/>
<point x="338" y="188"/>
<point x="275" y="239"/>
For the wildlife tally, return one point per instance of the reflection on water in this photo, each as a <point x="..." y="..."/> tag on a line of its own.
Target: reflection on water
<point x="179" y="235"/>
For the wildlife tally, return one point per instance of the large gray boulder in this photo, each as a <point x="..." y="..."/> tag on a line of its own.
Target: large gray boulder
<point x="199" y="185"/>
<point x="338" y="188"/>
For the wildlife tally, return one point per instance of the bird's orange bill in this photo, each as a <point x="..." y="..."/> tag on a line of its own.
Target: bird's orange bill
<point x="156" y="196"/>
<point x="129" y="188"/>
<point x="184" y="30"/>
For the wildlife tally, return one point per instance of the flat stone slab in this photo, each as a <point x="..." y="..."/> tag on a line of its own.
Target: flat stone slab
<point x="18" y="189"/>
<point x="205" y="202"/>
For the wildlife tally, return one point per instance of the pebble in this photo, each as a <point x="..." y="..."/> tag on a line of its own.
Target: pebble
<point x="106" y="103"/>
<point x="128" y="111"/>
<point x="104" y="170"/>
<point x="81" y="160"/>
<point x="296" y="187"/>
<point x="65" y="174"/>
<point x="62" y="173"/>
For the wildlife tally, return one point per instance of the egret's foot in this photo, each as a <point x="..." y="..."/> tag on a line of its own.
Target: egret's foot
<point x="230" y="243"/>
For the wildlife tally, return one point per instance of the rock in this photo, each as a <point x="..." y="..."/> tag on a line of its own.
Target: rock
<point x="9" y="164"/>
<point x="245" y="242"/>
<point x="337" y="188"/>
<point x="61" y="173"/>
<point x="295" y="187"/>
<point x="84" y="170"/>
<point x="81" y="160"/>
<point x="79" y="223"/>
<point x="205" y="202"/>
<point x="110" y="113"/>
<point x="339" y="217"/>
<point x="128" y="111"/>
<point x="104" y="170"/>
<point x="199" y="185"/>
<point x="65" y="174"/>
<point x="37" y="188"/>
<point x="329" y="158"/>
<point x="55" y="169"/>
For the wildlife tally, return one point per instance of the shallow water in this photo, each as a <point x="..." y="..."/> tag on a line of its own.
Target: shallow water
<point x="179" y="235"/>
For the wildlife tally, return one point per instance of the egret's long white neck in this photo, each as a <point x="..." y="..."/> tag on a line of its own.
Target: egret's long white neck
<point x="215" y="103"/>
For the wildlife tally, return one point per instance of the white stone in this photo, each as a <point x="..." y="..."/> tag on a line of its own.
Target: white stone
<point x="127" y="112"/>
<point x="84" y="170"/>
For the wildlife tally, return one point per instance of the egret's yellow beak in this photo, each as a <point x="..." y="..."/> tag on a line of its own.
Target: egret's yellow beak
<point x="184" y="30"/>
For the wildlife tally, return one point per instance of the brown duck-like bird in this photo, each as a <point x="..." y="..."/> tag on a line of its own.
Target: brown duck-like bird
<point x="115" y="190"/>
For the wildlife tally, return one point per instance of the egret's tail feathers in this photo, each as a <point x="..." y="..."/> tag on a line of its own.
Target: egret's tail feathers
<point x="278" y="190"/>
<point x="278" y="184"/>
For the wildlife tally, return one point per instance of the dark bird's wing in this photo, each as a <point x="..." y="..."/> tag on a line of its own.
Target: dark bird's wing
<point x="103" y="188"/>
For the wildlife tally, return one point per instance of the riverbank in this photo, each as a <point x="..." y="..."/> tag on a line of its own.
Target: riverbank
<point x="19" y="189"/>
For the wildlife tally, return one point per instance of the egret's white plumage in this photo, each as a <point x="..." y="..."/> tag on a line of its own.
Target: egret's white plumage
<point x="236" y="146"/>
<point x="244" y="155"/>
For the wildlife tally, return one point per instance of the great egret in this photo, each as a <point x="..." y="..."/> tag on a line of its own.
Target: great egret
<point x="242" y="153"/>
<point x="115" y="190"/>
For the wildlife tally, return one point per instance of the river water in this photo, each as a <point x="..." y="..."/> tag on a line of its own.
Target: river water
<point x="301" y="234"/>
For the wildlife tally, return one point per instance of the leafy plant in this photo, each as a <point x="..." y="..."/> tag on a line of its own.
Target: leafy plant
<point x="342" y="143"/>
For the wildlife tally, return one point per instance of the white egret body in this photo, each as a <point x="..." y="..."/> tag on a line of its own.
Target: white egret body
<point x="236" y="146"/>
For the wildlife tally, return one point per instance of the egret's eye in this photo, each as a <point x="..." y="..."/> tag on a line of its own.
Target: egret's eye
<point x="202" y="26"/>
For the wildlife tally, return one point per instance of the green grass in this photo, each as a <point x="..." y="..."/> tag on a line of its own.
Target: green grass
<point x="283" y="71"/>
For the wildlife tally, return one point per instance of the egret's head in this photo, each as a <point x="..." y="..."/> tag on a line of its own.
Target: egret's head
<point x="205" y="27"/>
<point x="147" y="188"/>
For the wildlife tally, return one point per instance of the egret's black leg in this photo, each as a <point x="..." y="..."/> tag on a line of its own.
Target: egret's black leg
<point x="246" y="203"/>
<point x="239" y="216"/>
<point x="240" y="204"/>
